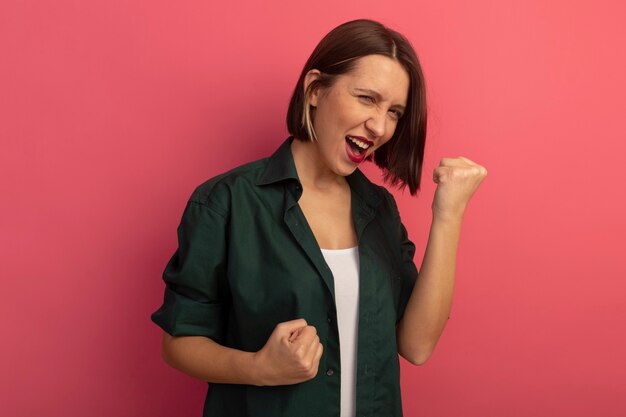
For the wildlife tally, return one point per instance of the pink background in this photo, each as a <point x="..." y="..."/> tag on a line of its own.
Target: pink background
<point x="111" y="112"/>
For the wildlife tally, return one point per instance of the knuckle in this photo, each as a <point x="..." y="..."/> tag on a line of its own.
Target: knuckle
<point x="304" y="367"/>
<point x="454" y="173"/>
<point x="311" y="370"/>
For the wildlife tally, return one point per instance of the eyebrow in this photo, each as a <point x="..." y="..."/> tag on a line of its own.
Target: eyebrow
<point x="377" y="96"/>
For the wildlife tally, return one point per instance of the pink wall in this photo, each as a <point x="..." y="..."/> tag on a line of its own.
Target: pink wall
<point x="111" y="112"/>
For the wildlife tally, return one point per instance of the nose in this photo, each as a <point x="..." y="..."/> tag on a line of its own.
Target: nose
<point x="377" y="123"/>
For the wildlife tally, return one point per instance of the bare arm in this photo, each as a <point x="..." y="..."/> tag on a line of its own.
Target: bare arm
<point x="202" y="358"/>
<point x="430" y="303"/>
<point x="429" y="306"/>
<point x="291" y="355"/>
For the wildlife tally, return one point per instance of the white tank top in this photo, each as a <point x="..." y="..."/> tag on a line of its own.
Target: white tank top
<point x="344" y="264"/>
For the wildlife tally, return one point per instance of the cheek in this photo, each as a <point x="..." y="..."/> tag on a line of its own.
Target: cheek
<point x="388" y="136"/>
<point x="391" y="127"/>
<point x="335" y="122"/>
<point x="336" y="115"/>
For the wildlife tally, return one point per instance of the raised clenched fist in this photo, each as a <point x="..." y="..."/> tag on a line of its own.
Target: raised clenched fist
<point x="457" y="179"/>
<point x="291" y="354"/>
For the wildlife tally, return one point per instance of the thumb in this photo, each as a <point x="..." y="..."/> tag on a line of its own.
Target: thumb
<point x="441" y="174"/>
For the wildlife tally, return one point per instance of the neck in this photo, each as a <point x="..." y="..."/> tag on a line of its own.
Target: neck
<point x="311" y="169"/>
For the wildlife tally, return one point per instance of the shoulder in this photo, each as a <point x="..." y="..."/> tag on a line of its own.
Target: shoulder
<point x="216" y="192"/>
<point x="390" y="201"/>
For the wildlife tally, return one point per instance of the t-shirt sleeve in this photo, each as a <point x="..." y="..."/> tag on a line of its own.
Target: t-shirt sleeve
<point x="195" y="300"/>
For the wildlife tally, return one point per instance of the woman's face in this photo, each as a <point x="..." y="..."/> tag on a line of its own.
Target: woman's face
<point x="359" y="112"/>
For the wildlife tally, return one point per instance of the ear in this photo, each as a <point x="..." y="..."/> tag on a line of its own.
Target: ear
<point x="312" y="75"/>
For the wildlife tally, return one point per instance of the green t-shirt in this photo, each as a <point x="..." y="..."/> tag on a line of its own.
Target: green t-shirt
<point x="247" y="260"/>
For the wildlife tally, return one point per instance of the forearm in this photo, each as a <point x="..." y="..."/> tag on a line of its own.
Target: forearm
<point x="430" y="303"/>
<point x="202" y="358"/>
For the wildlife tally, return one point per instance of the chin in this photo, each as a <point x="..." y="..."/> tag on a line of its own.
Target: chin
<point x="346" y="171"/>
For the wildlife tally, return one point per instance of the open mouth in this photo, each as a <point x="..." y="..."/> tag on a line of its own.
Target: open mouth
<point x="357" y="146"/>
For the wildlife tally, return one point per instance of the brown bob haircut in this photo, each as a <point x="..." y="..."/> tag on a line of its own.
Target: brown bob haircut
<point x="400" y="158"/>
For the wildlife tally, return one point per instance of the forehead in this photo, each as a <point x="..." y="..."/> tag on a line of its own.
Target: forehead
<point x="382" y="74"/>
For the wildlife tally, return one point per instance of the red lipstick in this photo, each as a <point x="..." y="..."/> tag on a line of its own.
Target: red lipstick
<point x="356" y="153"/>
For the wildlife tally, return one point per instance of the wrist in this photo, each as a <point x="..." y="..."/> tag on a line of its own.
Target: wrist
<point x="449" y="213"/>
<point x="447" y="219"/>
<point x="256" y="369"/>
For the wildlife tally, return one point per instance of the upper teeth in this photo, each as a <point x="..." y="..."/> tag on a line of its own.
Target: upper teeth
<point x="360" y="144"/>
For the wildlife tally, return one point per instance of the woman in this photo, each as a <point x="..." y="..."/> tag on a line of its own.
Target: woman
<point x="293" y="288"/>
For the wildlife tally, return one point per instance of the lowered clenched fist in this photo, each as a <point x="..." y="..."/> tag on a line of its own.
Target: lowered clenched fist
<point x="291" y="354"/>
<point x="457" y="179"/>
